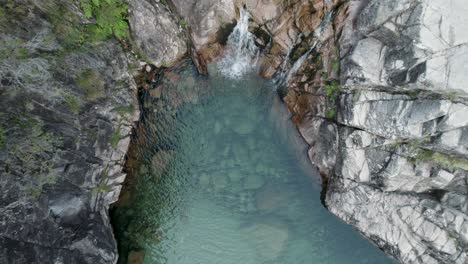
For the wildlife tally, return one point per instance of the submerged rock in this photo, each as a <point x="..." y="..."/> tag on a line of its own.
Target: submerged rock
<point x="254" y="181"/>
<point x="269" y="240"/>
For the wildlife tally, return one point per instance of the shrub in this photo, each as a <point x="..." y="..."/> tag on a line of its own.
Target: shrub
<point x="91" y="83"/>
<point x="330" y="113"/>
<point x="115" y="138"/>
<point x="73" y="103"/>
<point x="332" y="89"/>
<point x="111" y="18"/>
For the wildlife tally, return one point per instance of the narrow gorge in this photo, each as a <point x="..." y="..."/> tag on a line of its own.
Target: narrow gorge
<point x="233" y="131"/>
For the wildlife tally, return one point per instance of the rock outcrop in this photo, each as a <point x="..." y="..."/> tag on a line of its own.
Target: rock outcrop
<point x="157" y="32"/>
<point x="67" y="107"/>
<point x="386" y="126"/>
<point x="210" y="23"/>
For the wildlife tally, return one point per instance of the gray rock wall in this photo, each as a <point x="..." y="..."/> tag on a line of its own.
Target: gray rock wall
<point x="393" y="153"/>
<point x="66" y="111"/>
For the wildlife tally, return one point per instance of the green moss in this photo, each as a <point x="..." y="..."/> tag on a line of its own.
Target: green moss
<point x="115" y="138"/>
<point x="73" y="103"/>
<point x="330" y="113"/>
<point x="336" y="65"/>
<point x="123" y="110"/>
<point x="442" y="159"/>
<point x="91" y="83"/>
<point x="102" y="187"/>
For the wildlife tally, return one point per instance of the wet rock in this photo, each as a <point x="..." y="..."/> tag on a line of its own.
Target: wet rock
<point x="136" y="257"/>
<point x="156" y="92"/>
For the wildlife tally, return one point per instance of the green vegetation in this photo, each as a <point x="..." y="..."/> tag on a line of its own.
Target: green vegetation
<point x="442" y="159"/>
<point x="102" y="186"/>
<point x="123" y="110"/>
<point x="414" y="143"/>
<point x="108" y="19"/>
<point x="115" y="138"/>
<point x="332" y="91"/>
<point x="13" y="49"/>
<point x="330" y="113"/>
<point x="111" y="18"/>
<point x="31" y="152"/>
<point x="91" y="83"/>
<point x="183" y="23"/>
<point x="73" y="103"/>
<point x="336" y="65"/>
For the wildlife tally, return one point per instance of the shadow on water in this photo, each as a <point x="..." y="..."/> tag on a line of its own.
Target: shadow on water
<point x="222" y="176"/>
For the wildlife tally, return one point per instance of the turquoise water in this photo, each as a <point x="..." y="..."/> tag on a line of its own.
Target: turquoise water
<point x="222" y="181"/>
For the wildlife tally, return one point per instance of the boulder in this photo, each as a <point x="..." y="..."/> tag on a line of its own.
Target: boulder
<point x="156" y="32"/>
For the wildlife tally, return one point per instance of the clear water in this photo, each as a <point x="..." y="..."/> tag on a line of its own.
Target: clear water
<point x="222" y="182"/>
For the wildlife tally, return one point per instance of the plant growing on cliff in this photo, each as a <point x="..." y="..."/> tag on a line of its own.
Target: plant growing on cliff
<point x="115" y="138"/>
<point x="72" y="103"/>
<point x="442" y="159"/>
<point x="110" y="18"/>
<point x="91" y="83"/>
<point x="332" y="91"/>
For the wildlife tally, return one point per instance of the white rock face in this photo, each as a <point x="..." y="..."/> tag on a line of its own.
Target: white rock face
<point x="409" y="41"/>
<point x="156" y="31"/>
<point x="395" y="158"/>
<point x="206" y="18"/>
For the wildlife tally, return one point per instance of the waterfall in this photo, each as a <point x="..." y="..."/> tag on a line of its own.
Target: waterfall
<point x="241" y="52"/>
<point x="299" y="62"/>
<point x="317" y="34"/>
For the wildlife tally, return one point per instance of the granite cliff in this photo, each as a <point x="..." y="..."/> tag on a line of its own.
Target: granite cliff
<point x="376" y="88"/>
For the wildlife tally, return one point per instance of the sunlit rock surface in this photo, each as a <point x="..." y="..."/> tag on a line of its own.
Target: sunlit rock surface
<point x="157" y="32"/>
<point x="401" y="42"/>
<point x="390" y="139"/>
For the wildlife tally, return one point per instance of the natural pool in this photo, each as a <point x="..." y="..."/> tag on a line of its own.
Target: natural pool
<point x="220" y="181"/>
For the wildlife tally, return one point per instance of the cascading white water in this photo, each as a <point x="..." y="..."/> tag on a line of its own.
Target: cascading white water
<point x="300" y="61"/>
<point x="241" y="52"/>
<point x="318" y="34"/>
